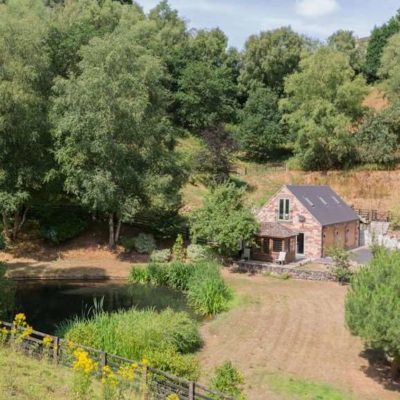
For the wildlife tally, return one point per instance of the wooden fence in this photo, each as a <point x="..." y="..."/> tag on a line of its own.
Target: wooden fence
<point x="159" y="385"/>
<point x="373" y="215"/>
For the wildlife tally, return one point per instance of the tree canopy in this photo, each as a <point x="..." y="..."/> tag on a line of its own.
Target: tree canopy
<point x="376" y="43"/>
<point x="224" y="220"/>
<point x="113" y="138"/>
<point x="373" y="304"/>
<point x="322" y="101"/>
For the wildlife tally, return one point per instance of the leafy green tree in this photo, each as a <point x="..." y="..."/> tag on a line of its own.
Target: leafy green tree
<point x="114" y="142"/>
<point x="260" y="132"/>
<point x="323" y="100"/>
<point x="373" y="304"/>
<point x="346" y="43"/>
<point x="377" y="42"/>
<point x="75" y="23"/>
<point x="25" y="82"/>
<point x="269" y="57"/>
<point x="389" y="71"/>
<point x="377" y="143"/>
<point x="224" y="220"/>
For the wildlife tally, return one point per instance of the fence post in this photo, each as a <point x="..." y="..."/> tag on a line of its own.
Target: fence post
<point x="145" y="378"/>
<point x="56" y="348"/>
<point x="192" y="388"/>
<point x="103" y="360"/>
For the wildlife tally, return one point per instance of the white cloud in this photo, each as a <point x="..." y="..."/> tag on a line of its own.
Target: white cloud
<point x="316" y="8"/>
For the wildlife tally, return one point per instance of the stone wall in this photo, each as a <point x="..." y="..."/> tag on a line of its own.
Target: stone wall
<point x="309" y="226"/>
<point x="295" y="273"/>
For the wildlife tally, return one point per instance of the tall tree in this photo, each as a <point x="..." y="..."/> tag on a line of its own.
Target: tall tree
<point x="389" y="71"/>
<point x="114" y="142"/>
<point x="373" y="305"/>
<point x="224" y="220"/>
<point x="260" y="133"/>
<point x="346" y="43"/>
<point x="75" y="23"/>
<point x="323" y="100"/>
<point x="377" y="42"/>
<point x="25" y="82"/>
<point x="269" y="57"/>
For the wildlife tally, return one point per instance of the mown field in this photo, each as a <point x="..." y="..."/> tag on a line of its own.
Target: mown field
<point x="291" y="343"/>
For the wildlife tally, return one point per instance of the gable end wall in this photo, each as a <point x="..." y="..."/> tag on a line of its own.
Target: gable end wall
<point x="310" y="227"/>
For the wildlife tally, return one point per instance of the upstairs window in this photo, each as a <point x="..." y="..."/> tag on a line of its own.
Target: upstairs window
<point x="284" y="210"/>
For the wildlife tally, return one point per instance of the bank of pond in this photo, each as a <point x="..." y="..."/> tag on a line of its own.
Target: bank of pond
<point x="154" y="316"/>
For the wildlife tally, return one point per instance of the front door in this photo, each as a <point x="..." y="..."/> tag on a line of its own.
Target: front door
<point x="300" y="244"/>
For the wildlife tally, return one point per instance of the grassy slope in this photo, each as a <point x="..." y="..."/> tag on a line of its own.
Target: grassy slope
<point x="361" y="188"/>
<point x="22" y="378"/>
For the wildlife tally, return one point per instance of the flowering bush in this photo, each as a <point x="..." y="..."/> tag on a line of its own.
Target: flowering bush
<point x="84" y="367"/>
<point x="21" y="330"/>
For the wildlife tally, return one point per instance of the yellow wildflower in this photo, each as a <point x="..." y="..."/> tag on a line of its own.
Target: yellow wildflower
<point x="4" y="331"/>
<point x="145" y="361"/>
<point x="108" y="377"/>
<point x="47" y="341"/>
<point x="27" y="331"/>
<point x="20" y="318"/>
<point x="172" y="396"/>
<point x="83" y="362"/>
<point x="128" y="371"/>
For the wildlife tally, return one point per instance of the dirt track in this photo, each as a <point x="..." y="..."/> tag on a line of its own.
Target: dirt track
<point x="293" y="327"/>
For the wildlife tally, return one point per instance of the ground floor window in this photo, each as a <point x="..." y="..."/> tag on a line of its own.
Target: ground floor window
<point x="277" y="245"/>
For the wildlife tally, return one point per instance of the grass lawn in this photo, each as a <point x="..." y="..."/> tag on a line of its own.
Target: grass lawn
<point x="288" y="387"/>
<point x="290" y="342"/>
<point x="23" y="378"/>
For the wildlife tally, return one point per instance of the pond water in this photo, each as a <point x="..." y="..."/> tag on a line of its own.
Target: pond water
<point x="47" y="304"/>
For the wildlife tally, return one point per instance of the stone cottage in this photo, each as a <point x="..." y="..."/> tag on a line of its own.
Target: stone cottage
<point x="304" y="221"/>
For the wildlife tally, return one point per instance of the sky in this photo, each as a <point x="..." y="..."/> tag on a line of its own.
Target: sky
<point x="316" y="18"/>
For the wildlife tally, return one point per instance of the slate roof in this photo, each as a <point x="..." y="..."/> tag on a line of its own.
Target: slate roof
<point x="324" y="204"/>
<point x="276" y="230"/>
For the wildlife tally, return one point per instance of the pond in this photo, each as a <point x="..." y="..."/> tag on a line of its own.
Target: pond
<point x="47" y="304"/>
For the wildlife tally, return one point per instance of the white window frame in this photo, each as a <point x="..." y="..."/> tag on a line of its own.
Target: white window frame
<point x="286" y="212"/>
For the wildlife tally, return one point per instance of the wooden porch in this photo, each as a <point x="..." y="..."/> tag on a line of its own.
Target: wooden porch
<point x="272" y="242"/>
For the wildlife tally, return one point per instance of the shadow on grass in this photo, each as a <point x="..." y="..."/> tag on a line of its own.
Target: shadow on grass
<point x="379" y="369"/>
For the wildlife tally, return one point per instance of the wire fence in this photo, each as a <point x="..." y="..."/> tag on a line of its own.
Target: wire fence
<point x="151" y="383"/>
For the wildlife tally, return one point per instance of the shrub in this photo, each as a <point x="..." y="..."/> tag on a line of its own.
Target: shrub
<point x="341" y="261"/>
<point x="208" y="294"/>
<point x="196" y="252"/>
<point x="128" y="243"/>
<point x="178" y="250"/>
<point x="186" y="365"/>
<point x="144" y="243"/>
<point x="160" y="256"/>
<point x="61" y="227"/>
<point x="228" y="380"/>
<point x="137" y="334"/>
<point x="139" y="275"/>
<point x="158" y="274"/>
<point x="179" y="275"/>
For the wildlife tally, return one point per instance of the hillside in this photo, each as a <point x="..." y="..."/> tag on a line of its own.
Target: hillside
<point x="360" y="188"/>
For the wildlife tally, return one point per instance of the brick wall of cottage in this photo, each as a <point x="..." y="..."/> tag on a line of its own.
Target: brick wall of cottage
<point x="310" y="226"/>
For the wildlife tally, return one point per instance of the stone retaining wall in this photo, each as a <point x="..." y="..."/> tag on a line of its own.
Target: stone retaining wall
<point x="295" y="273"/>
